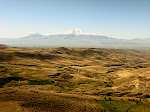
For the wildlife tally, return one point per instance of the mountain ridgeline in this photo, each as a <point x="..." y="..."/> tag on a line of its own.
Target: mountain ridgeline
<point x="75" y="38"/>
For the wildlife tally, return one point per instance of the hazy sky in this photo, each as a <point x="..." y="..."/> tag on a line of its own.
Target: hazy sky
<point x="115" y="18"/>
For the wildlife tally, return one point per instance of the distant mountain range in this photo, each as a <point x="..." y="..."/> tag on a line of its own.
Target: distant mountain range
<point x="2" y="45"/>
<point x="73" y="38"/>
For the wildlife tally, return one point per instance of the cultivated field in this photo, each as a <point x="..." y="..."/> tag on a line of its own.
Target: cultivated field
<point x="74" y="80"/>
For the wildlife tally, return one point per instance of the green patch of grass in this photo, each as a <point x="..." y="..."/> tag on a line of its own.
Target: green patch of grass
<point x="121" y="106"/>
<point x="61" y="85"/>
<point x="85" y="82"/>
<point x="40" y="82"/>
<point x="65" y="84"/>
<point x="9" y="71"/>
<point x="29" y="76"/>
<point x="68" y="53"/>
<point x="69" y="84"/>
<point x="2" y="67"/>
<point x="141" y="107"/>
<point x="15" y="73"/>
<point x="98" y="58"/>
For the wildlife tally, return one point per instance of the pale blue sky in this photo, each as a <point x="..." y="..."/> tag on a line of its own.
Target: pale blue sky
<point x="115" y="18"/>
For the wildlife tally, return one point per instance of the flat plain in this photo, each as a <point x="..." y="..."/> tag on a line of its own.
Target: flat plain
<point x="74" y="80"/>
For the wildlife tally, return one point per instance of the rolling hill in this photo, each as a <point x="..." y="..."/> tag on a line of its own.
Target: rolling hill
<point x="74" y="79"/>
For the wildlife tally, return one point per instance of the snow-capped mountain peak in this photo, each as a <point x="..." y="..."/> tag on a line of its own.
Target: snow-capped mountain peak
<point x="74" y="31"/>
<point x="33" y="35"/>
<point x="77" y="31"/>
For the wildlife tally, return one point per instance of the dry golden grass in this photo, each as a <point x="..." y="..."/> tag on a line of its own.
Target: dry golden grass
<point x="79" y="78"/>
<point x="37" y="101"/>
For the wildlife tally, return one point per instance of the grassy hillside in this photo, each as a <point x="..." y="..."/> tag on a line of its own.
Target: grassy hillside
<point x="74" y="80"/>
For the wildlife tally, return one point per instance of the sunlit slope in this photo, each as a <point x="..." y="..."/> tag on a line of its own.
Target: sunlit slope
<point x="95" y="73"/>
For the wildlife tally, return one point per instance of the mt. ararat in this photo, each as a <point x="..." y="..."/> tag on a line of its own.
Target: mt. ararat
<point x="74" y="31"/>
<point x="72" y="38"/>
